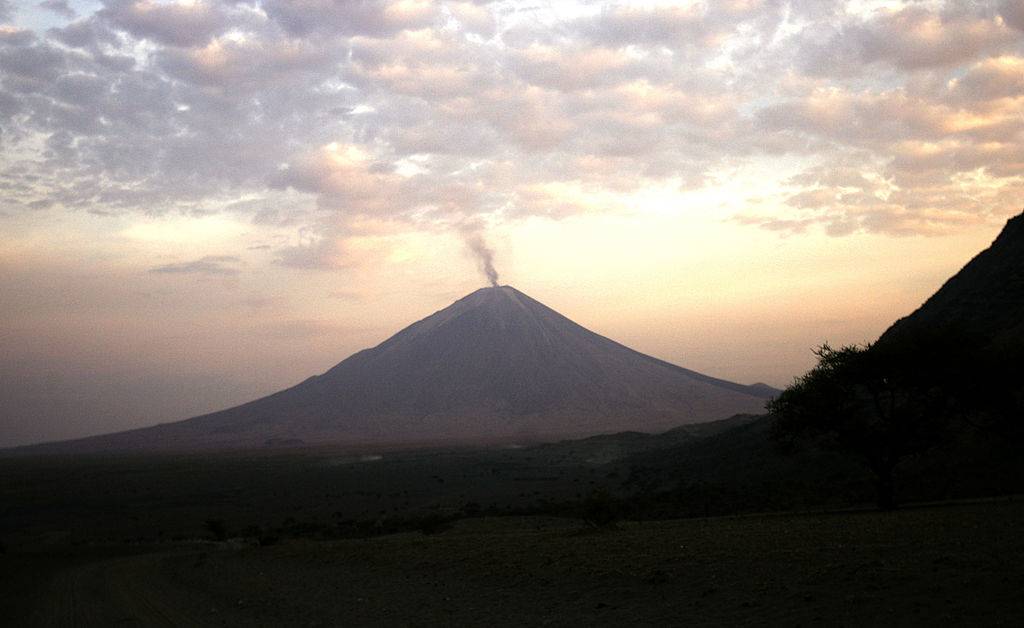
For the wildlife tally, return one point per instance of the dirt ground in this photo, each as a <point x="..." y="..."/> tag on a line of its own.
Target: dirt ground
<point x="953" y="565"/>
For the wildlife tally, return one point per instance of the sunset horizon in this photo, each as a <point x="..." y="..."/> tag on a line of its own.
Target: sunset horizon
<point x="228" y="197"/>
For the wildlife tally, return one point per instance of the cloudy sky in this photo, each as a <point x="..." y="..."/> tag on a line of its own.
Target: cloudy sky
<point x="208" y="200"/>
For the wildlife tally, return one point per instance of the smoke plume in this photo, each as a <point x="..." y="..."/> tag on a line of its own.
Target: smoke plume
<point x="483" y="253"/>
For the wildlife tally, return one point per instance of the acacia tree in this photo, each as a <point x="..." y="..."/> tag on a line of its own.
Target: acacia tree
<point x="882" y="404"/>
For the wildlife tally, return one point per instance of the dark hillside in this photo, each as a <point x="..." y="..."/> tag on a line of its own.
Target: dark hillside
<point x="743" y="469"/>
<point x="985" y="299"/>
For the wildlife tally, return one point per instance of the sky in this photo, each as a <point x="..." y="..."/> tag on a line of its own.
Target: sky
<point x="205" y="201"/>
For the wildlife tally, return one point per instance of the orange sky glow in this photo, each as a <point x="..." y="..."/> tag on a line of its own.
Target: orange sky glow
<point x="208" y="201"/>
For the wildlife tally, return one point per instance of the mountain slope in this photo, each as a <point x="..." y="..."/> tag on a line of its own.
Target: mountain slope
<point x="985" y="299"/>
<point x="495" y="365"/>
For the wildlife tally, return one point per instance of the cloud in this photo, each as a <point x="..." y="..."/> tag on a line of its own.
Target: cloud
<point x="474" y="18"/>
<point x="343" y="175"/>
<point x="565" y="69"/>
<point x="998" y="77"/>
<point x="265" y="63"/>
<point x="26" y="68"/>
<point x="1012" y="12"/>
<point x="431" y="114"/>
<point x="89" y="33"/>
<point x="317" y="249"/>
<point x="367" y="17"/>
<point x="671" y="26"/>
<point x="174" y="24"/>
<point x="213" y="265"/>
<point x="60" y="7"/>
<point x="912" y="38"/>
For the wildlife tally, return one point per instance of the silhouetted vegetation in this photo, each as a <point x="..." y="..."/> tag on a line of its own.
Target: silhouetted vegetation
<point x="901" y="398"/>
<point x="861" y="404"/>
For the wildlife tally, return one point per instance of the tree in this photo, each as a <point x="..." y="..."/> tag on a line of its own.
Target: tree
<point x="882" y="404"/>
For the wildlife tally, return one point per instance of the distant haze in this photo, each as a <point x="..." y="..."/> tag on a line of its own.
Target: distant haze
<point x="202" y="201"/>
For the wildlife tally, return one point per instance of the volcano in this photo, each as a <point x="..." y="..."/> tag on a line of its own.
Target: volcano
<point x="494" y="366"/>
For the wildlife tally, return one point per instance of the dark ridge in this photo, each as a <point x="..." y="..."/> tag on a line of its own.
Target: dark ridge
<point x="985" y="300"/>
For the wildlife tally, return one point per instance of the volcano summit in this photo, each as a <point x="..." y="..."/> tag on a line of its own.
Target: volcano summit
<point x="495" y="365"/>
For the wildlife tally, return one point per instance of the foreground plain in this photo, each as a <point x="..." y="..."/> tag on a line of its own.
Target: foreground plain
<point x="956" y="564"/>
